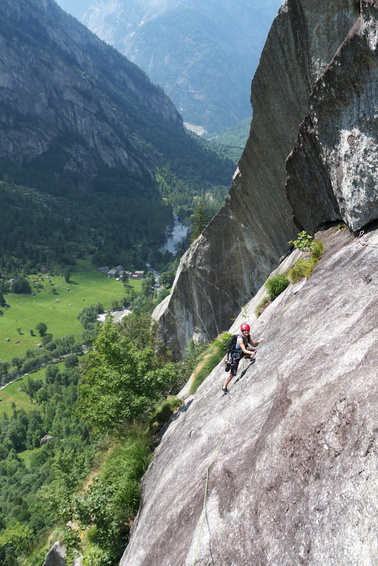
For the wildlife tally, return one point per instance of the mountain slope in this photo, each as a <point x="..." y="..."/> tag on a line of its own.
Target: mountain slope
<point x="202" y="53"/>
<point x="82" y="122"/>
<point x="66" y="93"/>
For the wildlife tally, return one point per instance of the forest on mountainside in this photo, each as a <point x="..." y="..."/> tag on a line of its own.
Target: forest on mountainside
<point x="108" y="226"/>
<point x="95" y="162"/>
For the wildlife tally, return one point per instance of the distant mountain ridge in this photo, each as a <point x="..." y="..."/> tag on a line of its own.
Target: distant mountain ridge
<point x="203" y="54"/>
<point x="78" y="118"/>
<point x="64" y="92"/>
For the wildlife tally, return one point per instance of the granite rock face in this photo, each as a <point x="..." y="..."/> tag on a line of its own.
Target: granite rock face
<point x="245" y="240"/>
<point x="332" y="171"/>
<point x="283" y="470"/>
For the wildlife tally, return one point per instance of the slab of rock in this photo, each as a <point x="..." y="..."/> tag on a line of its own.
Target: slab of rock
<point x="244" y="241"/>
<point x="283" y="470"/>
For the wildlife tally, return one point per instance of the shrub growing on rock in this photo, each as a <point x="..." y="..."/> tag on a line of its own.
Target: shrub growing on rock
<point x="276" y="285"/>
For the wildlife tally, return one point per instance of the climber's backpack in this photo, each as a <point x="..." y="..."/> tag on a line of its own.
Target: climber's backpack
<point x="231" y="346"/>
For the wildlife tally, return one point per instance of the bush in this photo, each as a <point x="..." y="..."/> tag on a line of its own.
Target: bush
<point x="304" y="242"/>
<point x="301" y="268"/>
<point x="107" y="508"/>
<point x="317" y="249"/>
<point x="304" y="267"/>
<point x="71" y="361"/>
<point x="21" y="286"/>
<point x="276" y="285"/>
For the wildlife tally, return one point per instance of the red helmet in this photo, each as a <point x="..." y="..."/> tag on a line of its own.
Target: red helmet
<point x="245" y="327"/>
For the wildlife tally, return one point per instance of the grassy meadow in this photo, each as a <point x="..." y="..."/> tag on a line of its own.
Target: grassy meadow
<point x="10" y="394"/>
<point x="58" y="309"/>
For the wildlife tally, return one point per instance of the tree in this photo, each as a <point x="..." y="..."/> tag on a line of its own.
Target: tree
<point x="21" y="286"/>
<point x="166" y="279"/>
<point x="2" y="300"/>
<point x="121" y="381"/>
<point x="17" y="362"/>
<point x="71" y="361"/>
<point x="148" y="285"/>
<point x="124" y="279"/>
<point x="200" y="220"/>
<point x="41" y="327"/>
<point x="67" y="275"/>
<point x="18" y="537"/>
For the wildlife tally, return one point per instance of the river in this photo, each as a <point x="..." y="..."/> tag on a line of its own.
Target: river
<point x="174" y="237"/>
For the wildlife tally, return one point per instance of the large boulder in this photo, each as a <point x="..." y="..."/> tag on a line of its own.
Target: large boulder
<point x="56" y="555"/>
<point x="283" y="470"/>
<point x="244" y="241"/>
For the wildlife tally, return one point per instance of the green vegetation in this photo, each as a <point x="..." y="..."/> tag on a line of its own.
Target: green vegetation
<point x="113" y="398"/>
<point x="35" y="349"/>
<point x="276" y="285"/>
<point x="317" y="249"/>
<point x="34" y="488"/>
<point x="266" y="301"/>
<point x="102" y="411"/>
<point x="303" y="268"/>
<point x="104" y="511"/>
<point x="163" y="412"/>
<point x="75" y="436"/>
<point x="135" y="374"/>
<point x="43" y="230"/>
<point x="303" y="242"/>
<point x="232" y="142"/>
<point x="59" y="311"/>
<point x="200" y="220"/>
<point x="15" y="394"/>
<point x="209" y="359"/>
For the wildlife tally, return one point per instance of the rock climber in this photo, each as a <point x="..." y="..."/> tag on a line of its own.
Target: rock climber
<point x="245" y="347"/>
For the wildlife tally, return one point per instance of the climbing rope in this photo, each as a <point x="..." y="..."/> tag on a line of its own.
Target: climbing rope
<point x="362" y="233"/>
<point x="212" y="460"/>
